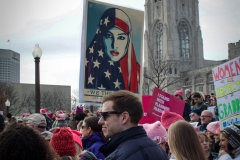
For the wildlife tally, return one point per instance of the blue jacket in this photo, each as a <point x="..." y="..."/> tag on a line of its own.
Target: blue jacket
<point x="92" y="144"/>
<point x="132" y="144"/>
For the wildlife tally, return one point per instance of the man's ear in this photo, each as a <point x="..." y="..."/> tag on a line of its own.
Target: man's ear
<point x="125" y="117"/>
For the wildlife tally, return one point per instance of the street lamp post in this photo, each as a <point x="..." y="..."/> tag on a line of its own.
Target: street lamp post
<point x="37" y="53"/>
<point x="7" y="103"/>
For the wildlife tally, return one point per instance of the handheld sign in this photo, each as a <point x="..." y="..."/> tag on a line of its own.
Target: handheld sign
<point x="145" y="102"/>
<point x="161" y="101"/>
<point x="227" y="86"/>
<point x="194" y="124"/>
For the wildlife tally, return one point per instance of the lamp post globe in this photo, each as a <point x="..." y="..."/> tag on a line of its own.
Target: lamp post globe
<point x="37" y="53"/>
<point x="7" y="103"/>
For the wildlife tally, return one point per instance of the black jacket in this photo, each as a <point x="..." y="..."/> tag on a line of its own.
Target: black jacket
<point x="132" y="144"/>
<point x="49" y="122"/>
<point x="186" y="112"/>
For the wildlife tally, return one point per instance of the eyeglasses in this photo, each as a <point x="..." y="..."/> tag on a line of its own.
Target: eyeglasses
<point x="192" y="114"/>
<point x="105" y="115"/>
<point x="204" y="116"/>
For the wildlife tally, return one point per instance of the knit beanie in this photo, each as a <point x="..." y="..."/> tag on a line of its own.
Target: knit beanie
<point x="168" y="118"/>
<point x="63" y="143"/>
<point x="50" y="114"/>
<point x="26" y="115"/>
<point x="213" y="126"/>
<point x="233" y="133"/>
<point x="178" y="92"/>
<point x="43" y="111"/>
<point x="198" y="111"/>
<point x="61" y="117"/>
<point x="76" y="137"/>
<point x="218" y="130"/>
<point x="156" y="131"/>
<point x="59" y="112"/>
<point x="79" y="109"/>
<point x="73" y="112"/>
<point x="86" y="155"/>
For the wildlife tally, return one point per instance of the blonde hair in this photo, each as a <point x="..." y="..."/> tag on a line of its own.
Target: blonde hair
<point x="184" y="143"/>
<point x="207" y="138"/>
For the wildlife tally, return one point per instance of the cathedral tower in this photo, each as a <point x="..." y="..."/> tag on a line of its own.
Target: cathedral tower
<point x="173" y="33"/>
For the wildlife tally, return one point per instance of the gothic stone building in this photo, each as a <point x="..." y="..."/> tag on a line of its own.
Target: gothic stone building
<point x="173" y="33"/>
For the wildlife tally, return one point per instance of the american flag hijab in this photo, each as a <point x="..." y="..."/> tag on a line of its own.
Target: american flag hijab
<point x="102" y="72"/>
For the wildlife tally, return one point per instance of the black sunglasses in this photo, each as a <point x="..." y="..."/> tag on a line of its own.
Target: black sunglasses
<point x="105" y="115"/>
<point x="83" y="127"/>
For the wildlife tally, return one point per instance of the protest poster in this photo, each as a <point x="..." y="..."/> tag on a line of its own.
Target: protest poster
<point x="227" y="86"/>
<point x="161" y="101"/>
<point x="194" y="124"/>
<point x="211" y="108"/>
<point x="113" y="47"/>
<point x="145" y="102"/>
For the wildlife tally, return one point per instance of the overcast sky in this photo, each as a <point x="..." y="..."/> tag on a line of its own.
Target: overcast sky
<point x="56" y="26"/>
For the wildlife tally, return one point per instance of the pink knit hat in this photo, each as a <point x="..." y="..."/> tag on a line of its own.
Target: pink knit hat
<point x="26" y="114"/>
<point x="73" y="112"/>
<point x="76" y="137"/>
<point x="218" y="130"/>
<point x="43" y="111"/>
<point x="156" y="131"/>
<point x="79" y="109"/>
<point x="169" y="118"/>
<point x="61" y="117"/>
<point x="59" y="112"/>
<point x="213" y="126"/>
<point x="178" y="92"/>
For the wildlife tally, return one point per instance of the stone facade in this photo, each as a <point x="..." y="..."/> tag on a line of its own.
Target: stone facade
<point x="27" y="89"/>
<point x="233" y="50"/>
<point x="173" y="33"/>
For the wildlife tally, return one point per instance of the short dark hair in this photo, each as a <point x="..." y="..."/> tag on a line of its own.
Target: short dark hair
<point x="197" y="95"/>
<point x="124" y="100"/>
<point x="93" y="123"/>
<point x="80" y="116"/>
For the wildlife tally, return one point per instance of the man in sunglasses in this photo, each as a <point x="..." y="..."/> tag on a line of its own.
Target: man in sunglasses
<point x="120" y="115"/>
<point x="37" y="122"/>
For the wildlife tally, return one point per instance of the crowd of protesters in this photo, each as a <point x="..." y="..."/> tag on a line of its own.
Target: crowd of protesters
<point x="115" y="133"/>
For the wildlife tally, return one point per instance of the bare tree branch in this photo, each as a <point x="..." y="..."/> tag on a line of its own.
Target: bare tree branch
<point x="161" y="72"/>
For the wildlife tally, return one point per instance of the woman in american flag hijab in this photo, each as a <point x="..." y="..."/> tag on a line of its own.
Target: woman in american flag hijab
<point x="110" y="60"/>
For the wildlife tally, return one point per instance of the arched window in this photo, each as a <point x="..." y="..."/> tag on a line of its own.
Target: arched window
<point x="183" y="39"/>
<point x="159" y="38"/>
<point x="170" y="71"/>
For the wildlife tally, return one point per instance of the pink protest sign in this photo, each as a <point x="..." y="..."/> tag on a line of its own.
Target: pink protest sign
<point x="161" y="101"/>
<point x="145" y="102"/>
